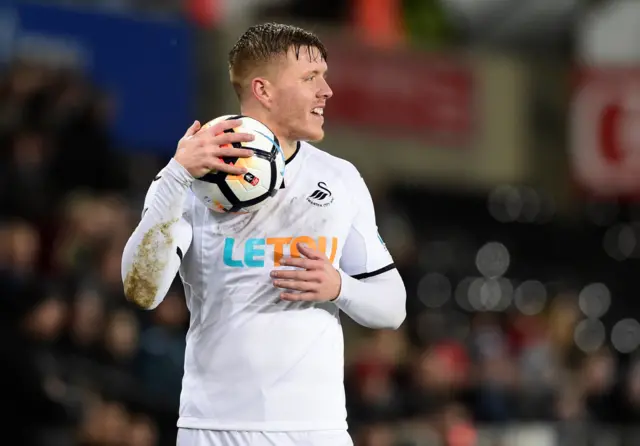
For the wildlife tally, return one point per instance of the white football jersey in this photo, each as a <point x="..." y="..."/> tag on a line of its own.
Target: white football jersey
<point x="254" y="362"/>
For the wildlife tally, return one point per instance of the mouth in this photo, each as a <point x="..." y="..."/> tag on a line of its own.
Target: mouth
<point x="318" y="111"/>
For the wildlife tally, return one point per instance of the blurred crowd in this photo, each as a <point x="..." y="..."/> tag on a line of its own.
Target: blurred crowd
<point x="492" y="379"/>
<point x="81" y="366"/>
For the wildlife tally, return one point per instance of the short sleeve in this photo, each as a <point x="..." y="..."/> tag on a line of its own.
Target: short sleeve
<point x="364" y="253"/>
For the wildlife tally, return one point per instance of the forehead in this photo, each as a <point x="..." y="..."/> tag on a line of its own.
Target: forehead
<point x="304" y="58"/>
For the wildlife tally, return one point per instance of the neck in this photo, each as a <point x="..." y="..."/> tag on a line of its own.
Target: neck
<point x="288" y="146"/>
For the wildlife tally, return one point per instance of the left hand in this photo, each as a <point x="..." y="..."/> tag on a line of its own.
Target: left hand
<point x="316" y="280"/>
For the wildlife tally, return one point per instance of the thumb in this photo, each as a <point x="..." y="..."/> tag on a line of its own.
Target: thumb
<point x="310" y="253"/>
<point x="193" y="129"/>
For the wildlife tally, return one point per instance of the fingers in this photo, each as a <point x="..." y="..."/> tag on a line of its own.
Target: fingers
<point x="309" y="276"/>
<point x="221" y="166"/>
<point x="218" y="163"/>
<point x="297" y="280"/>
<point x="193" y="129"/>
<point x="310" y="253"/>
<point x="296" y="285"/>
<point x="303" y="263"/>
<point x="229" y="138"/>
<point x="221" y="126"/>
<point x="295" y="297"/>
<point x="232" y="152"/>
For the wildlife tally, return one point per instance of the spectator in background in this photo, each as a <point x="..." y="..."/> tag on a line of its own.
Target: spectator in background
<point x="69" y="352"/>
<point x="162" y="350"/>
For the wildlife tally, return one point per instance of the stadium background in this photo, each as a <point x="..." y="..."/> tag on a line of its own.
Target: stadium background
<point x="499" y="139"/>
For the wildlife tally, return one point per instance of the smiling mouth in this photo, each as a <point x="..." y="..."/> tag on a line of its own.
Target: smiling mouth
<point x="318" y="111"/>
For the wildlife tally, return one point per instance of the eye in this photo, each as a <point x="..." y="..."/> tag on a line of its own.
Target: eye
<point x="310" y="78"/>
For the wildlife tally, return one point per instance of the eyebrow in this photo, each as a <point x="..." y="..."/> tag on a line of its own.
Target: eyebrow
<point x="317" y="72"/>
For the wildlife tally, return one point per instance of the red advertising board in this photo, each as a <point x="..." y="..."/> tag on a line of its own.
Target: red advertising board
<point x="605" y="131"/>
<point x="401" y="93"/>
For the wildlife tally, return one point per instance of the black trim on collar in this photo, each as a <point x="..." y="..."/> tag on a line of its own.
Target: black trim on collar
<point x="294" y="153"/>
<point x="287" y="161"/>
<point x="384" y="269"/>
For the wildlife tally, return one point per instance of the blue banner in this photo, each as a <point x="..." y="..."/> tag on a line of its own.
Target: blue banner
<point x="146" y="65"/>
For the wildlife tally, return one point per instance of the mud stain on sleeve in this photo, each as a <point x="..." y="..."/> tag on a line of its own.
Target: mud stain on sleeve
<point x="143" y="280"/>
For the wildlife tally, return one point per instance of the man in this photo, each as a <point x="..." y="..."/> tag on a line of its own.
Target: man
<point x="264" y="357"/>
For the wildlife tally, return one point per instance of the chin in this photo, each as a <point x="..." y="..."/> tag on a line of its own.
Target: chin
<point x="311" y="132"/>
<point x="315" y="135"/>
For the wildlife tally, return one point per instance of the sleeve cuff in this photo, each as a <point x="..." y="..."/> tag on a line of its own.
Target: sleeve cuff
<point x="345" y="285"/>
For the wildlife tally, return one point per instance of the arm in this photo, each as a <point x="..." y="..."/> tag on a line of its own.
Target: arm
<point x="372" y="292"/>
<point x="375" y="302"/>
<point x="153" y="253"/>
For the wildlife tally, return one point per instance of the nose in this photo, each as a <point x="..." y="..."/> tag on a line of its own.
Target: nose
<point x="325" y="91"/>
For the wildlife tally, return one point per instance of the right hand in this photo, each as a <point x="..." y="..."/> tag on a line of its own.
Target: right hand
<point x="201" y="151"/>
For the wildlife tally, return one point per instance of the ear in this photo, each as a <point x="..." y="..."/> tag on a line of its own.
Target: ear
<point x="262" y="91"/>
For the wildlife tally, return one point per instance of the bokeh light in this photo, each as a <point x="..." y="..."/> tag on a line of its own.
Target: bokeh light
<point x="493" y="259"/>
<point x="434" y="289"/>
<point x="462" y="293"/>
<point x="589" y="335"/>
<point x="530" y="297"/>
<point x="505" y="203"/>
<point x="490" y="294"/>
<point x="625" y="335"/>
<point x="594" y="300"/>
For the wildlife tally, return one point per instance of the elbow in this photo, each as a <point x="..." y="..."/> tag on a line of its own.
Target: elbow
<point x="394" y="319"/>
<point x="391" y="311"/>
<point x="145" y="271"/>
<point x="139" y="286"/>
<point x="399" y="313"/>
<point x="395" y="316"/>
<point x="140" y="291"/>
<point x="397" y="319"/>
<point x="388" y="321"/>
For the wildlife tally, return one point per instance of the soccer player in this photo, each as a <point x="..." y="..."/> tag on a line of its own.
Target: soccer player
<point x="264" y="357"/>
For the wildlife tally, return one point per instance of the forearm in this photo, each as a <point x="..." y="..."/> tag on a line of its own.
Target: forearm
<point x="152" y="255"/>
<point x="376" y="302"/>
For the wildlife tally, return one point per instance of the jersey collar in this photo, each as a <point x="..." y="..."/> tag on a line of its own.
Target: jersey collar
<point x="291" y="158"/>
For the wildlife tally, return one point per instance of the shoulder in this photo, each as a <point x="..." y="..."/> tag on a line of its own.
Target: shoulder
<point x="341" y="173"/>
<point x="317" y="157"/>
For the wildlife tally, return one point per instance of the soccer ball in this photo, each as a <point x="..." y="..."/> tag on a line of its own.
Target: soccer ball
<point x="246" y="193"/>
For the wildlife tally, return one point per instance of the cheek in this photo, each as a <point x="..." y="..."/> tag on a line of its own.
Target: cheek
<point x="292" y="113"/>
<point x="292" y="100"/>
